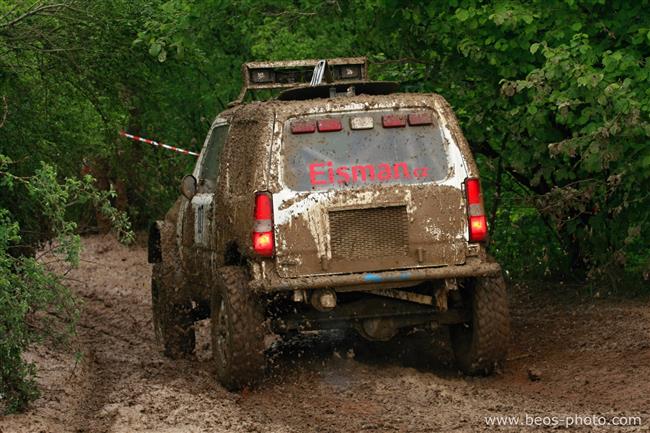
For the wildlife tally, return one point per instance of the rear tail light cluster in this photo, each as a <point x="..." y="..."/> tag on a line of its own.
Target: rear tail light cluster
<point x="475" y="211"/>
<point x="329" y="125"/>
<point x="393" y="120"/>
<point x="302" y="126"/>
<point x="422" y="118"/>
<point x="263" y="239"/>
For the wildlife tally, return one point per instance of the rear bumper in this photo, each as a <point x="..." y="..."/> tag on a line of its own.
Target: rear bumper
<point x="473" y="268"/>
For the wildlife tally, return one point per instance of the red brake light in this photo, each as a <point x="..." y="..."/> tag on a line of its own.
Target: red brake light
<point x="329" y="125"/>
<point x="263" y="243"/>
<point x="477" y="228"/>
<point x="303" y="127"/>
<point x="263" y="239"/>
<point x="423" y="118"/>
<point x="477" y="220"/>
<point x="473" y="188"/>
<point x="263" y="206"/>
<point x="393" y="120"/>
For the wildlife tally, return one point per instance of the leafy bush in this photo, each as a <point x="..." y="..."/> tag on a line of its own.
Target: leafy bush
<point x="26" y="289"/>
<point x="34" y="302"/>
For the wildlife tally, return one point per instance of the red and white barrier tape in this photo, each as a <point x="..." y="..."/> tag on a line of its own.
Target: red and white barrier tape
<point x="155" y="143"/>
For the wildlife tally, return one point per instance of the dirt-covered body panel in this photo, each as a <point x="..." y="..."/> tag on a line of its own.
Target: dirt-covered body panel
<point x="423" y="226"/>
<point x="216" y="224"/>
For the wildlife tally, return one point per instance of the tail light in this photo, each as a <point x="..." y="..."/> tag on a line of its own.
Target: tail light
<point x="329" y="125"/>
<point x="421" y="118"/>
<point x="263" y="239"/>
<point x="303" y="127"/>
<point x="393" y="121"/>
<point x="475" y="211"/>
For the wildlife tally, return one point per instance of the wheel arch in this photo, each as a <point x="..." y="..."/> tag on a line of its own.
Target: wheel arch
<point x="233" y="255"/>
<point x="154" y="248"/>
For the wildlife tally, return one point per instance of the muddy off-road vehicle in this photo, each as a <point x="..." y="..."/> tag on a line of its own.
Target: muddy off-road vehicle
<point x="339" y="203"/>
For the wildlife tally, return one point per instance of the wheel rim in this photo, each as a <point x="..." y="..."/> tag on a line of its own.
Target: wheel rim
<point x="222" y="333"/>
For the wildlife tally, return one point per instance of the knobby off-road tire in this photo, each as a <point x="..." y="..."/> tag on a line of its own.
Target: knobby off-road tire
<point x="482" y="344"/>
<point x="238" y="330"/>
<point x="172" y="317"/>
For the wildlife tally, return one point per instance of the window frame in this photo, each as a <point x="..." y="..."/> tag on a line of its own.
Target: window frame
<point x="209" y="184"/>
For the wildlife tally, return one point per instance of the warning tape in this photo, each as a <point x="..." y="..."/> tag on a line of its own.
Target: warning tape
<point x="155" y="143"/>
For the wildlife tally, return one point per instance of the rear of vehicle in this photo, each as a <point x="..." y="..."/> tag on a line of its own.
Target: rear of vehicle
<point x="374" y="220"/>
<point x="372" y="190"/>
<point x="367" y="215"/>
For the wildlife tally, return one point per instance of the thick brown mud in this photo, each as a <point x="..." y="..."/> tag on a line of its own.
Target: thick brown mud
<point x="569" y="356"/>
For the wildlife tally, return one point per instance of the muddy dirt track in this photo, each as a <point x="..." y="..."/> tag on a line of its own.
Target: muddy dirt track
<point x="587" y="357"/>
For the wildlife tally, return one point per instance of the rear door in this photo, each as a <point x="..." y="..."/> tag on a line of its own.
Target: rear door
<point x="369" y="191"/>
<point x="198" y="224"/>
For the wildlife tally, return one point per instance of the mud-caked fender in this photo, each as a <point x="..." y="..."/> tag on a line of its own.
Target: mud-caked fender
<point x="154" y="250"/>
<point x="168" y="269"/>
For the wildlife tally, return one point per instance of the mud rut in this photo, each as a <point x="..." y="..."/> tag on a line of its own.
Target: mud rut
<point x="593" y="357"/>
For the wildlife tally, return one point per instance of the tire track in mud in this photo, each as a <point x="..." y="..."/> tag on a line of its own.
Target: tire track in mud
<point x="101" y="340"/>
<point x="314" y="385"/>
<point x="128" y="385"/>
<point x="593" y="358"/>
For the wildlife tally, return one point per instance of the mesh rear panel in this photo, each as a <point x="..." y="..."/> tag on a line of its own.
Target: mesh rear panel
<point x="368" y="233"/>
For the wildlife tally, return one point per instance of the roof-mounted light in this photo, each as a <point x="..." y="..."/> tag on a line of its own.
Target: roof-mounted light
<point x="298" y="73"/>
<point x="260" y="76"/>
<point x="347" y="72"/>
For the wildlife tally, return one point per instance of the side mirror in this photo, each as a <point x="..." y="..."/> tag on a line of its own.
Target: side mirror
<point x="188" y="186"/>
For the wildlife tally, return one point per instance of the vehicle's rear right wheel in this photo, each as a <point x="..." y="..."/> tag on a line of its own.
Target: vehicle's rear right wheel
<point x="482" y="344"/>
<point x="238" y="330"/>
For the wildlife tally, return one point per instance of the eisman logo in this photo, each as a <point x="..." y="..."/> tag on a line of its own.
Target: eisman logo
<point x="325" y="173"/>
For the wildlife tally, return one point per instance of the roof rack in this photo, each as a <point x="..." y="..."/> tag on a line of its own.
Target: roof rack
<point x="337" y="89"/>
<point x="302" y="73"/>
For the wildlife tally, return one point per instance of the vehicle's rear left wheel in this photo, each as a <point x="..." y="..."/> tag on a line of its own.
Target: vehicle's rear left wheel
<point x="172" y="319"/>
<point x="238" y="330"/>
<point x="482" y="344"/>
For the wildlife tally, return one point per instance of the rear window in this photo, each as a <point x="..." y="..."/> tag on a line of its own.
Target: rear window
<point x="356" y="149"/>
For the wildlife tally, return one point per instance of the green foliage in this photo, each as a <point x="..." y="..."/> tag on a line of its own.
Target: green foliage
<point x="31" y="297"/>
<point x="26" y="290"/>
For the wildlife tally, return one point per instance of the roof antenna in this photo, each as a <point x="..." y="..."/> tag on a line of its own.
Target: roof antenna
<point x="319" y="73"/>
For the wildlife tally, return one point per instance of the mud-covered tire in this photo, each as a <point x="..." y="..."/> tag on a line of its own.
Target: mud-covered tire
<point x="481" y="345"/>
<point x="172" y="320"/>
<point x="238" y="330"/>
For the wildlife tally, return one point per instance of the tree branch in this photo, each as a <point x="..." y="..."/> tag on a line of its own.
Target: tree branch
<point x="296" y="13"/>
<point x="35" y="10"/>
<point x="484" y="148"/>
<point x="402" y="60"/>
<point x="5" y="111"/>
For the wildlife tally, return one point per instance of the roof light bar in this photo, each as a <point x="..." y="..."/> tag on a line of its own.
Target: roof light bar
<point x="299" y="73"/>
